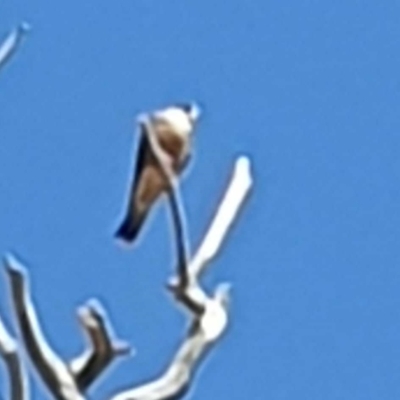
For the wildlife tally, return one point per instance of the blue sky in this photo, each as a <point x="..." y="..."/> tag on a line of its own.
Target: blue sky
<point x="310" y="90"/>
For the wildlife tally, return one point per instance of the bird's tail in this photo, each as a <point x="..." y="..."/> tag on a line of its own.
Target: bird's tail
<point x="129" y="229"/>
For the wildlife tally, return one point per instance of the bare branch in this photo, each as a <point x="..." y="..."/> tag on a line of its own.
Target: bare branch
<point x="228" y="210"/>
<point x="208" y="314"/>
<point x="209" y="317"/>
<point x="17" y="376"/>
<point x="205" y="330"/>
<point x="239" y="186"/>
<point x="10" y="45"/>
<point x="175" y="382"/>
<point x="53" y="371"/>
<point x="103" y="348"/>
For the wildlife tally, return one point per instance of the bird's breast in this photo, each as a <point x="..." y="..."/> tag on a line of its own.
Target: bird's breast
<point x="172" y="143"/>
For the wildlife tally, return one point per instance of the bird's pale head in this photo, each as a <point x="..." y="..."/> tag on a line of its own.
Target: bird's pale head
<point x="181" y="117"/>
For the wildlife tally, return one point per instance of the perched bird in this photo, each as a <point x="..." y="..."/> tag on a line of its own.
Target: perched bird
<point x="173" y="128"/>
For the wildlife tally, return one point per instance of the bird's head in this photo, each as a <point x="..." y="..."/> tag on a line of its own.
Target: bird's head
<point x="181" y="118"/>
<point x="192" y="110"/>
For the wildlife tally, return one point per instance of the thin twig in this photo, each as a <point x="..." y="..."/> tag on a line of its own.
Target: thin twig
<point x="192" y="295"/>
<point x="103" y="347"/>
<point x="227" y="213"/>
<point x="10" y="45"/>
<point x="53" y="371"/>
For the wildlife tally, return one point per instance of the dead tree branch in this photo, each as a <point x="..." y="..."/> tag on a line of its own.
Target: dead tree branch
<point x="12" y="42"/>
<point x="17" y="375"/>
<point x="102" y="349"/>
<point x="64" y="381"/>
<point x="52" y="370"/>
<point x="208" y="315"/>
<point x="226" y="214"/>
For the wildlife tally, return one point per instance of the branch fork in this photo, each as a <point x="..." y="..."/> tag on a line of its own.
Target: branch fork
<point x="208" y="314"/>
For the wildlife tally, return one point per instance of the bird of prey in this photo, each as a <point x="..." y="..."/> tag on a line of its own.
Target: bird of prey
<point x="173" y="129"/>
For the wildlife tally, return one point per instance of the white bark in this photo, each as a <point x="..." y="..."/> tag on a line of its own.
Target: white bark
<point x="17" y="377"/>
<point x="11" y="43"/>
<point x="65" y="381"/>
<point x="52" y="370"/>
<point x="227" y="212"/>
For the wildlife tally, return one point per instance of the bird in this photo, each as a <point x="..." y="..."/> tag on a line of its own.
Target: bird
<point x="173" y="128"/>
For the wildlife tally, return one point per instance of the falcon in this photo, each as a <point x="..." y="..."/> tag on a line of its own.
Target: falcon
<point x="173" y="129"/>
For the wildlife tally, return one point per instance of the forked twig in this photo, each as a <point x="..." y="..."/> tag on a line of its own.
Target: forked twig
<point x="65" y="381"/>
<point x="53" y="371"/>
<point x="103" y="347"/>
<point x="208" y="314"/>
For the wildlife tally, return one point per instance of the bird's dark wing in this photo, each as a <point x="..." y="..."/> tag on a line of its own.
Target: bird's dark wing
<point x="143" y="152"/>
<point x="133" y="220"/>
